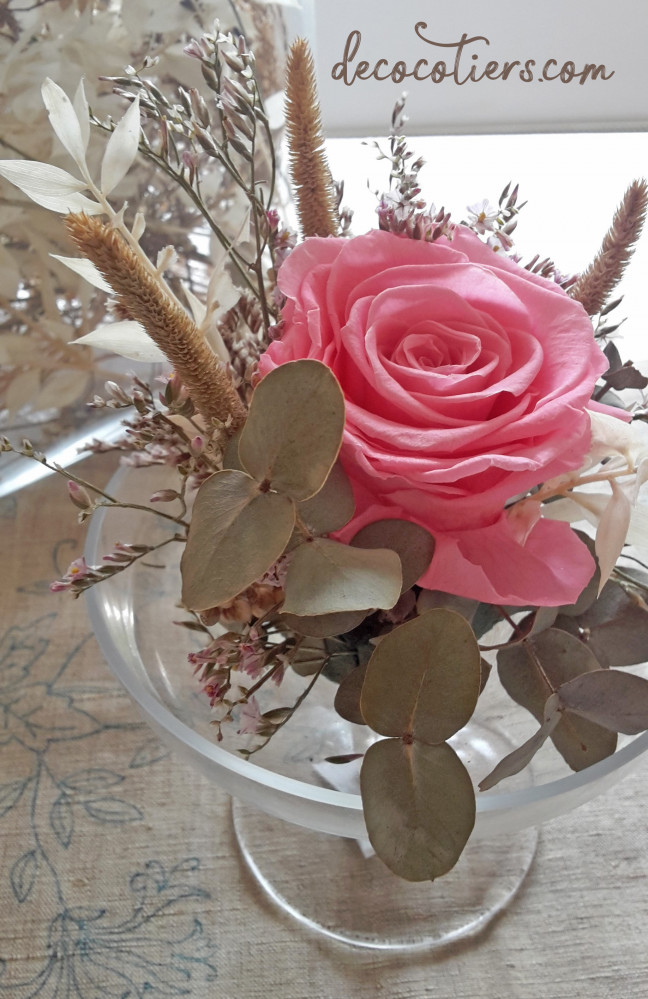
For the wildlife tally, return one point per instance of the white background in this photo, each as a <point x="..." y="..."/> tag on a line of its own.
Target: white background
<point x="572" y="183"/>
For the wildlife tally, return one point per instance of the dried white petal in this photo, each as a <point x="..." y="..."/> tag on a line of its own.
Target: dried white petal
<point x="82" y="111"/>
<point x="166" y="258"/>
<point x="612" y="532"/>
<point x="121" y="149"/>
<point x="198" y="309"/>
<point x="128" y="339"/>
<point x="85" y="269"/>
<point x="64" y="121"/>
<point x="49" y="186"/>
<point x="139" y="225"/>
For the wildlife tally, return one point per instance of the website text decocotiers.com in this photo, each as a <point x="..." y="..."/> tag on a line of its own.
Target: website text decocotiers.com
<point x="462" y="62"/>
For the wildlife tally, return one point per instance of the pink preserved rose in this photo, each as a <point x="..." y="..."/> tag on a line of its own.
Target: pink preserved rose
<point x="467" y="381"/>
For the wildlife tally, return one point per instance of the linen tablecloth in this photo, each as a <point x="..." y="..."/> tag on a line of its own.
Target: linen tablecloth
<point x="120" y="876"/>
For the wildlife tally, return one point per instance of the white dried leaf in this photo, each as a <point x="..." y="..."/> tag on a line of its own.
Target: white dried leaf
<point x="139" y="225"/>
<point x="566" y="510"/>
<point x="49" y="186"/>
<point x="612" y="435"/>
<point x="220" y="283"/>
<point x="85" y="269"/>
<point x="166" y="258"/>
<point x="612" y="532"/>
<point x="64" y="121"/>
<point x="82" y="111"/>
<point x="121" y="149"/>
<point x="198" y="309"/>
<point x="128" y="339"/>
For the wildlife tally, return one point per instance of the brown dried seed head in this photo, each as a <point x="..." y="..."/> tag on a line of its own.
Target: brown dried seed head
<point x="313" y="187"/>
<point x="143" y="298"/>
<point x="596" y="284"/>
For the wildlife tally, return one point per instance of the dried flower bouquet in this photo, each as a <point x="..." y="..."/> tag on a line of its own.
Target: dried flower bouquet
<point x="377" y="446"/>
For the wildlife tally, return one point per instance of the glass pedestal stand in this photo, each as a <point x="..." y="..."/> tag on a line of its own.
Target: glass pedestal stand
<point x="328" y="884"/>
<point x="304" y="858"/>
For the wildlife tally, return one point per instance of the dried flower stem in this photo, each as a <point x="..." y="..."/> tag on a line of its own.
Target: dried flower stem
<point x="596" y="284"/>
<point x="146" y="301"/>
<point x="313" y="187"/>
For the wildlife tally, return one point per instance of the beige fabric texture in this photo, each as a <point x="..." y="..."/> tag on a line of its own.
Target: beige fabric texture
<point x="120" y="875"/>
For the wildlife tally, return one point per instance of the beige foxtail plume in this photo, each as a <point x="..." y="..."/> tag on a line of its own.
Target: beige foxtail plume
<point x="312" y="184"/>
<point x="144" y="299"/>
<point x="596" y="284"/>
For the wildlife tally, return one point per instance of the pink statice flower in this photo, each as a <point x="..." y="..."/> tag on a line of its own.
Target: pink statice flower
<point x="77" y="570"/>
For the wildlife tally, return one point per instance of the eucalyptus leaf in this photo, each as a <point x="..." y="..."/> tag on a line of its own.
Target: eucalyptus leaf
<point x="431" y="599"/>
<point x="531" y="671"/>
<point x="522" y="756"/>
<point x="616" y="700"/>
<point x="347" y="698"/>
<point x="419" y="807"/>
<point x="325" y="625"/>
<point x="412" y="543"/>
<point x="614" y="628"/>
<point x="338" y="666"/>
<point x="294" y="428"/>
<point x="230" y="452"/>
<point x="327" y="577"/>
<point x="486" y="670"/>
<point x="485" y="618"/>
<point x="236" y="534"/>
<point x="309" y="657"/>
<point x="423" y="679"/>
<point x="330" y="508"/>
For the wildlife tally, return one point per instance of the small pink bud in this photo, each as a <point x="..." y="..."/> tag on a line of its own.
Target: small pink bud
<point x="164" y="496"/>
<point x="79" y="496"/>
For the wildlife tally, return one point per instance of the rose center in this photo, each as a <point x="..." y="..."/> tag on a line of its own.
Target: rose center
<point x="434" y="346"/>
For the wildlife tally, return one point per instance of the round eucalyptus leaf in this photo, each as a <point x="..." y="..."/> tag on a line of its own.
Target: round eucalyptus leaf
<point x="347" y="698"/>
<point x="236" y="534"/>
<point x="419" y="807"/>
<point x="325" y="625"/>
<point x="423" y="679"/>
<point x="230" y="452"/>
<point x="332" y="507"/>
<point x="614" y="627"/>
<point x="294" y="428"/>
<point x="327" y="577"/>
<point x="532" y="670"/>
<point x="412" y="543"/>
<point x="608" y="697"/>
<point x="309" y="657"/>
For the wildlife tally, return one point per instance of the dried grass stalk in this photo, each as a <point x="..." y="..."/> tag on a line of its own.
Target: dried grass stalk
<point x="596" y="284"/>
<point x="143" y="298"/>
<point x="312" y="184"/>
